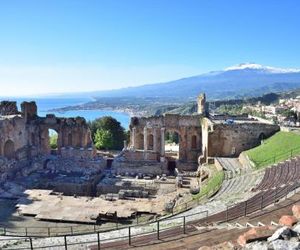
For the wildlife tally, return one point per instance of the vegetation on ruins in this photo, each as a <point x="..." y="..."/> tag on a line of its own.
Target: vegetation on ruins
<point x="53" y="141"/>
<point x="279" y="147"/>
<point x="107" y="133"/>
<point x="103" y="139"/>
<point x="172" y="137"/>
<point x="212" y="184"/>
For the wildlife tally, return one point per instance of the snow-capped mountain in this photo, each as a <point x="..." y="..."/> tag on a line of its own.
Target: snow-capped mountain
<point x="267" y="69"/>
<point x="243" y="80"/>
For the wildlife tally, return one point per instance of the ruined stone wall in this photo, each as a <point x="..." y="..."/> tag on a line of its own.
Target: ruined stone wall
<point x="78" y="153"/>
<point x="202" y="105"/>
<point x="72" y="133"/>
<point x="140" y="155"/>
<point x="231" y="139"/>
<point x="25" y="135"/>
<point x="122" y="165"/>
<point x="13" y="137"/>
<point x="148" y="134"/>
<point x="8" y="108"/>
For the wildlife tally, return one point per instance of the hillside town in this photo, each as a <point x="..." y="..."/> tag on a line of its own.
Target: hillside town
<point x="285" y="112"/>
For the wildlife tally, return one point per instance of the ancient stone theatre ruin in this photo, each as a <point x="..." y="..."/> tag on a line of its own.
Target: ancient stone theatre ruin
<point x="25" y="135"/>
<point x="201" y="136"/>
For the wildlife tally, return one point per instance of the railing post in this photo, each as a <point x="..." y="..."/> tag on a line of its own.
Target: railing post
<point x="4" y="230"/>
<point x="26" y="233"/>
<point x="245" y="208"/>
<point x="71" y="230"/>
<point x="31" y="245"/>
<point x="262" y="201"/>
<point x="226" y="213"/>
<point x="49" y="231"/>
<point x="98" y="239"/>
<point x="129" y="236"/>
<point x="66" y="245"/>
<point x="184" y="232"/>
<point x="158" y="229"/>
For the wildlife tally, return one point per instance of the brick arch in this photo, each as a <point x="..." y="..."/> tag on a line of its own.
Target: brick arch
<point x="9" y="149"/>
<point x="262" y="136"/>
<point x="174" y="130"/>
<point x="150" y="141"/>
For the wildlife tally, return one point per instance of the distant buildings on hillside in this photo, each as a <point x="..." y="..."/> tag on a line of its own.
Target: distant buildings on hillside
<point x="286" y="112"/>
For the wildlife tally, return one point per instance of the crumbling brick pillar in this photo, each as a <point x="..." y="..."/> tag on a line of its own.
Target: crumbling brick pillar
<point x="145" y="139"/>
<point x="133" y="134"/>
<point x="155" y="140"/>
<point x="162" y="136"/>
<point x="183" y="144"/>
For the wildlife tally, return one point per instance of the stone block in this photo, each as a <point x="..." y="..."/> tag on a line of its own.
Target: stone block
<point x="288" y="220"/>
<point x="296" y="210"/>
<point x="255" y="234"/>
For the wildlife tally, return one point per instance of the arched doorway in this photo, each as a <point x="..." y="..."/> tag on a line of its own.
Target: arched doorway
<point x="194" y="142"/>
<point x="262" y="136"/>
<point x="150" y="142"/>
<point x="9" y="149"/>
<point x="172" y="144"/>
<point x="53" y="141"/>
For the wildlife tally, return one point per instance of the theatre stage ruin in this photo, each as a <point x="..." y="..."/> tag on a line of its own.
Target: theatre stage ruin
<point x="151" y="175"/>
<point x="201" y="138"/>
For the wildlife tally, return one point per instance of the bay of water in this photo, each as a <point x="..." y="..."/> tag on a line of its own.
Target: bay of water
<point x="46" y="104"/>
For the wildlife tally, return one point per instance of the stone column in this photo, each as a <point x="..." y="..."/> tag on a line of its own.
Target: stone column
<point x="162" y="137"/>
<point x="183" y="144"/>
<point x="155" y="140"/>
<point x="145" y="139"/>
<point x="133" y="137"/>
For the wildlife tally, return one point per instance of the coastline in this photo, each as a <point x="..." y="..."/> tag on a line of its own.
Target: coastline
<point x="126" y="111"/>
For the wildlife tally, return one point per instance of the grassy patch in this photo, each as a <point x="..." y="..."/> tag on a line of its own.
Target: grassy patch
<point x="279" y="147"/>
<point x="211" y="185"/>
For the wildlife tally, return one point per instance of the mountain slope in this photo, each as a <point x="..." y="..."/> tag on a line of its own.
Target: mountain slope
<point x="244" y="80"/>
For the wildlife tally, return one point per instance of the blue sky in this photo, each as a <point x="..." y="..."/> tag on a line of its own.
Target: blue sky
<point x="64" y="46"/>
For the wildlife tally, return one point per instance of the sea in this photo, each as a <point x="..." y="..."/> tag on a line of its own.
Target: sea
<point x="46" y="104"/>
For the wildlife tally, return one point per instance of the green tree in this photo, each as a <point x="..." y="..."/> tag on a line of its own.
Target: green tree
<point x="53" y="141"/>
<point x="172" y="137"/>
<point x="103" y="139"/>
<point x="108" y="123"/>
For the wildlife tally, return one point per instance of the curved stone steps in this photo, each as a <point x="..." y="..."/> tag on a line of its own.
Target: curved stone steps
<point x="235" y="188"/>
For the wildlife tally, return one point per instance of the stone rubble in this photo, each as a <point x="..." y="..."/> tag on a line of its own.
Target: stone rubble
<point x="284" y="238"/>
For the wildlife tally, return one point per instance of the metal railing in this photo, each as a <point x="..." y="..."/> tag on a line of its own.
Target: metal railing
<point x="86" y="229"/>
<point x="156" y="230"/>
<point x="279" y="157"/>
